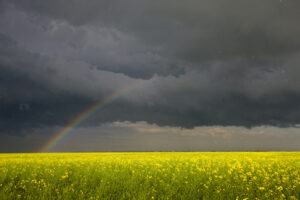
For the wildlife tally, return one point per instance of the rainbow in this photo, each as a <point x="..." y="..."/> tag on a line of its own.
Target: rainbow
<point x="85" y="114"/>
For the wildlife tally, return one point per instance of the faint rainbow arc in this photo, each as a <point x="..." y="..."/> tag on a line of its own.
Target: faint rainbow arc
<point x="85" y="114"/>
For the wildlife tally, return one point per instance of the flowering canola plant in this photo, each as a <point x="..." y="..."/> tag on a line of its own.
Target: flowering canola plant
<point x="196" y="175"/>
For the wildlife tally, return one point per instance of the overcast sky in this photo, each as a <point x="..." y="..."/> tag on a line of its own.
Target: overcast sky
<point x="212" y="75"/>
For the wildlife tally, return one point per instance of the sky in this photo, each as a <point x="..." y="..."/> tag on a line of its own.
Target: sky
<point x="194" y="75"/>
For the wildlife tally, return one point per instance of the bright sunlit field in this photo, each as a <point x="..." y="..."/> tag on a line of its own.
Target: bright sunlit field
<point x="150" y="176"/>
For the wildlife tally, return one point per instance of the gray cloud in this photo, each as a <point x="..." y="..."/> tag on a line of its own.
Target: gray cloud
<point x="198" y="62"/>
<point x="141" y="136"/>
<point x="192" y="30"/>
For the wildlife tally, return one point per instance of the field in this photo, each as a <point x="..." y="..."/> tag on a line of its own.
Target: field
<point x="150" y="176"/>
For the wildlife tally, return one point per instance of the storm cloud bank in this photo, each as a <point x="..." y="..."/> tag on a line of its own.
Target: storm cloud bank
<point x="200" y="63"/>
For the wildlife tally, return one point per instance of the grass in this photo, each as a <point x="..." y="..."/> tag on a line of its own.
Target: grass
<point x="189" y="176"/>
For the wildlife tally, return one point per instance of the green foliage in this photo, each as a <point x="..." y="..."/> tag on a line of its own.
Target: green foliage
<point x="150" y="176"/>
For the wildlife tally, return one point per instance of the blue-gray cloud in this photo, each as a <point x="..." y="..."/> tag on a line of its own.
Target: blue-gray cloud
<point x="199" y="62"/>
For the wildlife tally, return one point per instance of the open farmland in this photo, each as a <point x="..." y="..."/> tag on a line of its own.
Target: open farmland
<point x="235" y="175"/>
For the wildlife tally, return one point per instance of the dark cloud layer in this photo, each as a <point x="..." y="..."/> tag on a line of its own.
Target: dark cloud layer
<point x="193" y="30"/>
<point x="199" y="62"/>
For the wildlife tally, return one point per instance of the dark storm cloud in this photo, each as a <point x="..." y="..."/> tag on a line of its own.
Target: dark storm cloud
<point x="200" y="62"/>
<point x="193" y="30"/>
<point x="24" y="104"/>
<point x="141" y="136"/>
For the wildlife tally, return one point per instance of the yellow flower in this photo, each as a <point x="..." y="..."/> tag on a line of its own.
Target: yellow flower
<point x="261" y="188"/>
<point x="280" y="188"/>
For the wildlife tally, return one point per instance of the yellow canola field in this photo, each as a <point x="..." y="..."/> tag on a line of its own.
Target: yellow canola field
<point x="197" y="175"/>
